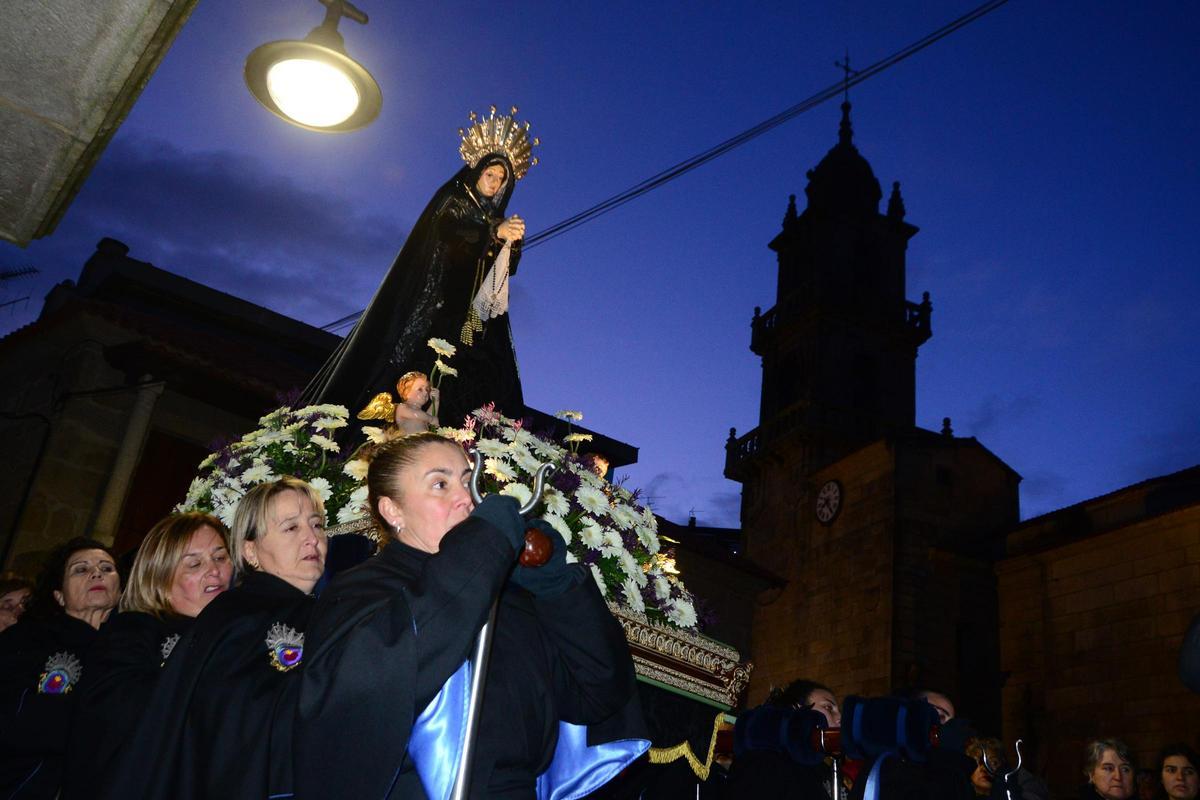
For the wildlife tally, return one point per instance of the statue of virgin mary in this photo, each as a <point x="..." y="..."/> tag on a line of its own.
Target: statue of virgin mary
<point x="450" y="281"/>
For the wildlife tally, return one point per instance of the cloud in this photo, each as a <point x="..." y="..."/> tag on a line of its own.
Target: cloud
<point x="677" y="496"/>
<point x="995" y="412"/>
<point x="224" y="220"/>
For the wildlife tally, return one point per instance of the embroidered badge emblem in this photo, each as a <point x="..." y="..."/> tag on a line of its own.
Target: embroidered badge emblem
<point x="167" y="646"/>
<point x="285" y="646"/>
<point x="62" y="672"/>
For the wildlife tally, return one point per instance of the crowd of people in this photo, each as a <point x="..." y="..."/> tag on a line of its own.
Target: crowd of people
<point x="217" y="671"/>
<point x="963" y="765"/>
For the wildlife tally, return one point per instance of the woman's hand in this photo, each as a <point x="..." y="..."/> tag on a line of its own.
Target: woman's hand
<point x="512" y="229"/>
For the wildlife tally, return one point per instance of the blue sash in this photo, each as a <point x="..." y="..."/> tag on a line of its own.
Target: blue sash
<point x="576" y="770"/>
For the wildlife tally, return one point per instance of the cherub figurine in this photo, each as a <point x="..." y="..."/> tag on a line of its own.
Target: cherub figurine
<point x="409" y="415"/>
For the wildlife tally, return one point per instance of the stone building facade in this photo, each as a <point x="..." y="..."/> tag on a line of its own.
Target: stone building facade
<point x="1094" y="602"/>
<point x="120" y="388"/>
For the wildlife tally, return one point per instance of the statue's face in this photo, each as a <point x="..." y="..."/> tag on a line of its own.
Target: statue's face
<point x="490" y="180"/>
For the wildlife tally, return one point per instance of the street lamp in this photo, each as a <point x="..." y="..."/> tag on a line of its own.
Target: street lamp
<point x="313" y="83"/>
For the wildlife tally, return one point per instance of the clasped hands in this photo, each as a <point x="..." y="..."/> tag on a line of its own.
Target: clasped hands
<point x="512" y="229"/>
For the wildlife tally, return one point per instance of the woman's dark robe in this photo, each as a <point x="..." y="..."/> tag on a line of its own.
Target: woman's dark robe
<point x="34" y="725"/>
<point x="123" y="666"/>
<point x="218" y="723"/>
<point x="427" y="293"/>
<point x="556" y="658"/>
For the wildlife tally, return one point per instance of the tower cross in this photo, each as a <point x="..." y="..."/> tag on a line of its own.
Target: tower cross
<point x="844" y="66"/>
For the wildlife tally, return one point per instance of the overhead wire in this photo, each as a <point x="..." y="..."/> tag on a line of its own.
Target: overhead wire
<point x="693" y="162"/>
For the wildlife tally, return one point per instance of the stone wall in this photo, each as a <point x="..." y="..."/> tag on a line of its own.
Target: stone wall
<point x="1090" y="634"/>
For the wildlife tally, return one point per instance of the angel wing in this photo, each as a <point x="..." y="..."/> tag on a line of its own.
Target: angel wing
<point x="380" y="407"/>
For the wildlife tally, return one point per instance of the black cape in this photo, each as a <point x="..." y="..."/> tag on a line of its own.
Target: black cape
<point x="218" y="723"/>
<point x="427" y="293"/>
<point x="123" y="666"/>
<point x="33" y="725"/>
<point x="558" y="658"/>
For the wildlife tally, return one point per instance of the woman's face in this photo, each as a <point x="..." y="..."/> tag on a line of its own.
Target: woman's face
<point x="203" y="573"/>
<point x="12" y="606"/>
<point x="1179" y="778"/>
<point x="90" y="583"/>
<point x="1112" y="777"/>
<point x="826" y="703"/>
<point x="418" y="394"/>
<point x="981" y="780"/>
<point x="430" y="496"/>
<point x="293" y="545"/>
<point x="490" y="180"/>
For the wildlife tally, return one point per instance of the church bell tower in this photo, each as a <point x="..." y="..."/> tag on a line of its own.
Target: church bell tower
<point x="839" y="347"/>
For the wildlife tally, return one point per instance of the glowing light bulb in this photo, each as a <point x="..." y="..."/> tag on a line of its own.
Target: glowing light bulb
<point x="312" y="92"/>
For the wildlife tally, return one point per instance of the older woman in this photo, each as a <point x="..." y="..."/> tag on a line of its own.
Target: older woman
<point x="1108" y="768"/>
<point x="558" y="655"/>
<point x="182" y="565"/>
<point x="1177" y="769"/>
<point x="212" y="727"/>
<point x="41" y="664"/>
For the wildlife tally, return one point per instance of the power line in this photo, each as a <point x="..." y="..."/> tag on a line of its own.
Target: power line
<point x="687" y="165"/>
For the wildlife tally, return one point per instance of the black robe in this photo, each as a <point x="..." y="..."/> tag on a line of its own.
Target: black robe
<point x="123" y="666"/>
<point x="218" y="723"/>
<point x="427" y="293"/>
<point x="557" y="658"/>
<point x="34" y="726"/>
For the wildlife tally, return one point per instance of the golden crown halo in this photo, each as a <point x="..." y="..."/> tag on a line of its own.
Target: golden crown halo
<point x="503" y="134"/>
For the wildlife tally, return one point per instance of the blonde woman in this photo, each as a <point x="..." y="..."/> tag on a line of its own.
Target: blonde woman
<point x="216" y="724"/>
<point x="182" y="565"/>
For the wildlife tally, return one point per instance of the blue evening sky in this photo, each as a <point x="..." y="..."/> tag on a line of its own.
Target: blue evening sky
<point x="1048" y="152"/>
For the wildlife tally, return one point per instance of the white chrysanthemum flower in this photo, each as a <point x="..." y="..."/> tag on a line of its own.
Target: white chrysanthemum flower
<point x="662" y="587"/>
<point x="623" y="515"/>
<point x="589" y="478"/>
<point x="325" y="410"/>
<point x="375" y="435"/>
<point x="357" y="468"/>
<point x="272" y="418"/>
<point x="272" y="437"/>
<point x="442" y="347"/>
<point x="491" y="447"/>
<point x="547" y="450"/>
<point x="613" y="539"/>
<point x="624" y="494"/>
<point x="571" y="558"/>
<point x="330" y="424"/>
<point x="632" y="568"/>
<point x="295" y="426"/>
<point x="290" y="447"/>
<point x="555" y="502"/>
<point x="559" y="524"/>
<point x="259" y="473"/>
<point x="592" y="534"/>
<point x="499" y="470"/>
<point x="633" y="597"/>
<point x="350" y="512"/>
<point x="599" y="577"/>
<point x="445" y="369"/>
<point x="325" y="443"/>
<point x="208" y="461"/>
<point x="524" y="459"/>
<point x="224" y="512"/>
<point x="648" y="538"/>
<point x="682" y="613"/>
<point x="520" y="491"/>
<point x="574" y="416"/>
<point x="592" y="500"/>
<point x="322" y="487"/>
<point x="358" y="498"/>
<point x="575" y="438"/>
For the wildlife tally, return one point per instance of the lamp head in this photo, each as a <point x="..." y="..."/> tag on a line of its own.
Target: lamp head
<point x="313" y="83"/>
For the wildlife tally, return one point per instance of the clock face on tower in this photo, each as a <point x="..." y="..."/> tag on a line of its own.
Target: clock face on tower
<point x="829" y="502"/>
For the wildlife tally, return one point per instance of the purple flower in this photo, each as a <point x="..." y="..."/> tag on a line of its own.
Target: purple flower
<point x="565" y="481"/>
<point x="706" y="615"/>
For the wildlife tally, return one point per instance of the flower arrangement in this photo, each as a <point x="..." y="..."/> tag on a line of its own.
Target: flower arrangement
<point x="297" y="442"/>
<point x="604" y="526"/>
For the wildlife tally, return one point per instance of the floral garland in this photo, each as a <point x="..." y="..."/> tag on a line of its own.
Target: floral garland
<point x="296" y="442"/>
<point x="603" y="525"/>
